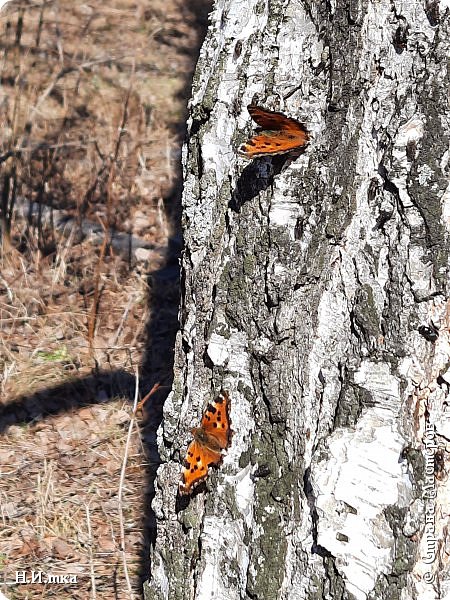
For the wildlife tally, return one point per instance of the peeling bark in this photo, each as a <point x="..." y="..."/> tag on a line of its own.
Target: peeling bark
<point x="305" y="283"/>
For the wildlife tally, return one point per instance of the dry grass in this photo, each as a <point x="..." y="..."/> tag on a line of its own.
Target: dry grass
<point x="92" y="106"/>
<point x="60" y="506"/>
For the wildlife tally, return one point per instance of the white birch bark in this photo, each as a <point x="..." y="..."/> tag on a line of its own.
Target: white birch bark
<point x="303" y="290"/>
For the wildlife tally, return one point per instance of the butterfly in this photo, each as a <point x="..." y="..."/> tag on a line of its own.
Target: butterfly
<point x="213" y="436"/>
<point x="276" y="134"/>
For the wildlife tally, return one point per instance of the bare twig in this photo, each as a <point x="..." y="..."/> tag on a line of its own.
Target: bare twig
<point x="147" y="396"/>
<point x="59" y="75"/>
<point x="43" y="146"/>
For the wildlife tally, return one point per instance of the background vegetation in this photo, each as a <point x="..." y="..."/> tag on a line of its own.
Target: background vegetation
<point x="92" y="110"/>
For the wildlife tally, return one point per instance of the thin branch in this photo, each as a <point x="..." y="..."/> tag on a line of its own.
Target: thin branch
<point x="43" y="146"/>
<point x="140" y="406"/>
<point x="62" y="73"/>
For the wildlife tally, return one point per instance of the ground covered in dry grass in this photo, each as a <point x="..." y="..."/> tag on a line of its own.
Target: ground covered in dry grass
<point x="92" y="106"/>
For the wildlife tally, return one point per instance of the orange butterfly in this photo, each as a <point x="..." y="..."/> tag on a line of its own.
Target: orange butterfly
<point x="277" y="134"/>
<point x="213" y="436"/>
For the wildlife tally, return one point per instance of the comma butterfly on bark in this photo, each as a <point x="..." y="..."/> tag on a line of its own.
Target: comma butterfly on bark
<point x="213" y="436"/>
<point x="276" y="134"/>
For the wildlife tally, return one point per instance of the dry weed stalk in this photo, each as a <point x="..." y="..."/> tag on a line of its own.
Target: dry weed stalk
<point x="122" y="483"/>
<point x="91" y="556"/>
<point x="96" y="300"/>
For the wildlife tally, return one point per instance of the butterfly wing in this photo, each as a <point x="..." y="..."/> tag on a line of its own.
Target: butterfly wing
<point x="280" y="134"/>
<point x="213" y="436"/>
<point x="275" y="121"/>
<point x="216" y="420"/>
<point x="195" y="469"/>
<point x="270" y="143"/>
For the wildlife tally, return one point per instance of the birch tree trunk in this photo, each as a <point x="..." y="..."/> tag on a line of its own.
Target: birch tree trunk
<point x="316" y="292"/>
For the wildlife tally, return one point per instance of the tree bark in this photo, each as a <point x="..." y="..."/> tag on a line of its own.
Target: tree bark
<point x="315" y="290"/>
